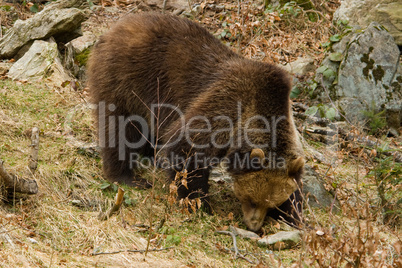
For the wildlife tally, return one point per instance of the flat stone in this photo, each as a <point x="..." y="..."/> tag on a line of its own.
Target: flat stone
<point x="281" y="240"/>
<point x="244" y="233"/>
<point x="300" y="66"/>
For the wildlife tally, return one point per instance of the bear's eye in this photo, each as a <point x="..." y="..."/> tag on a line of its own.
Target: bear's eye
<point x="253" y="205"/>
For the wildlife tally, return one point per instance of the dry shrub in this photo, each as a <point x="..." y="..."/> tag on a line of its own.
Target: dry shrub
<point x="359" y="245"/>
<point x="275" y="34"/>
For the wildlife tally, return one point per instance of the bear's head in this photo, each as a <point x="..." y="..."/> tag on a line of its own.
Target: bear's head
<point x="262" y="190"/>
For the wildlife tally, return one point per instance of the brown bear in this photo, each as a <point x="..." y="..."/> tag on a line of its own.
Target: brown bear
<point x="164" y="86"/>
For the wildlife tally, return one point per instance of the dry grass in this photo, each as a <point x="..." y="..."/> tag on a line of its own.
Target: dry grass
<point x="62" y="218"/>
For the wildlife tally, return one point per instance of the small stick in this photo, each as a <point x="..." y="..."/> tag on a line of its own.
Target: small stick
<point x="19" y="185"/>
<point x="236" y="251"/>
<point x="33" y="160"/>
<point x="131" y="250"/>
<point x="300" y="105"/>
<point x="119" y="200"/>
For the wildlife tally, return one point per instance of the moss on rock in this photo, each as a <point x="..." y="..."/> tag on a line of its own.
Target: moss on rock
<point x="82" y="58"/>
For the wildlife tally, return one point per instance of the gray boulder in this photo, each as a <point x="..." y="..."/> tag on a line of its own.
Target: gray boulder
<point x="315" y="192"/>
<point x="363" y="12"/>
<point x="83" y="42"/>
<point x="59" y="20"/>
<point x="369" y="75"/>
<point x="41" y="61"/>
<point x="301" y="66"/>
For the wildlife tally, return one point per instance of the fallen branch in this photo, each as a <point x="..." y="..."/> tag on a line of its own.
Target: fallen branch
<point x="131" y="250"/>
<point x="236" y="250"/>
<point x="300" y="106"/>
<point x="374" y="144"/>
<point x="119" y="200"/>
<point x="33" y="160"/>
<point x="359" y="139"/>
<point x="314" y="120"/>
<point x="19" y="185"/>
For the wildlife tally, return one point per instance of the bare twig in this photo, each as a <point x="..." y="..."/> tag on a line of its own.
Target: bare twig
<point x="18" y="184"/>
<point x="5" y="236"/>
<point x="131" y="250"/>
<point x="236" y="250"/>
<point x="33" y="160"/>
<point x="119" y="200"/>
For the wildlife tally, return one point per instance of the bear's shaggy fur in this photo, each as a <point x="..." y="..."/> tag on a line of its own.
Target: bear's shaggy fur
<point x="153" y="59"/>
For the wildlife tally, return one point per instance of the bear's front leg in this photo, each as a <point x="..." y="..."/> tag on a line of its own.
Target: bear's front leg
<point x="196" y="183"/>
<point x="290" y="210"/>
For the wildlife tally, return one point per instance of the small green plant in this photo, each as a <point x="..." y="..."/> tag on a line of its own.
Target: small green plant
<point x="295" y="92"/>
<point x="388" y="178"/>
<point x="322" y="111"/>
<point x="327" y="72"/>
<point x="291" y="8"/>
<point x="82" y="58"/>
<point x="376" y="120"/>
<point x="172" y="238"/>
<point x="304" y="88"/>
<point x="107" y="185"/>
<point x="34" y="7"/>
<point x="5" y="8"/>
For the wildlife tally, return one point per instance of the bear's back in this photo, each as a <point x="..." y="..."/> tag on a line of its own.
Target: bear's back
<point x="155" y="58"/>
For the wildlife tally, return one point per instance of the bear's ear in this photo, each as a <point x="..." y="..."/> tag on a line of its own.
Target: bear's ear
<point x="258" y="153"/>
<point x="295" y="166"/>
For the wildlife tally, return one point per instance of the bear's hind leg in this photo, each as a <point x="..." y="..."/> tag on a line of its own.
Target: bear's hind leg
<point x="122" y="155"/>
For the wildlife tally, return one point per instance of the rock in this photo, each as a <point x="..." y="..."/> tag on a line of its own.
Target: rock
<point x="33" y="241"/>
<point x="316" y="194"/>
<point x="301" y="66"/>
<point x="369" y="76"/>
<point x="244" y="233"/>
<point x="41" y="61"/>
<point x="363" y="12"/>
<point x="177" y="5"/>
<point x="281" y="240"/>
<point x="83" y="42"/>
<point x="55" y="20"/>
